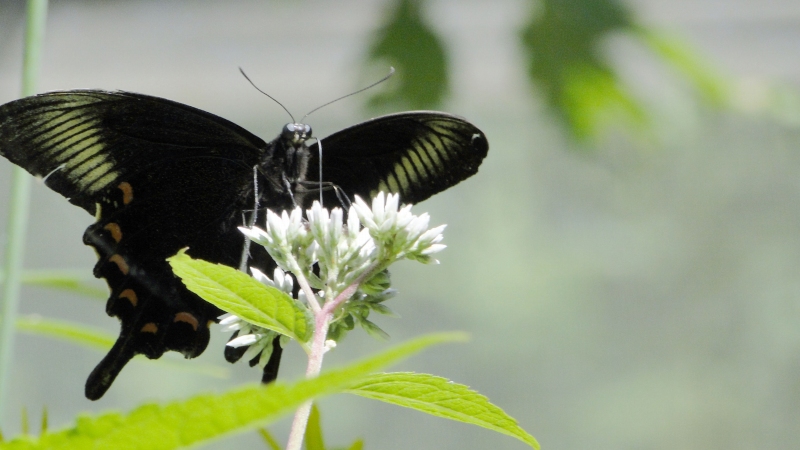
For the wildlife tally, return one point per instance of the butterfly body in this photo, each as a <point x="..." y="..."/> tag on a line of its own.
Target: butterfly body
<point x="160" y="176"/>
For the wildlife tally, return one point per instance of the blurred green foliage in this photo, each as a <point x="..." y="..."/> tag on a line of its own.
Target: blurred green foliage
<point x="406" y="42"/>
<point x="562" y="42"/>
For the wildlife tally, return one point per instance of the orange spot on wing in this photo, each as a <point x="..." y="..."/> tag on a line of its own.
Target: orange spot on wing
<point x="149" y="327"/>
<point x="127" y="192"/>
<point x="120" y="262"/>
<point x="114" y="229"/>
<point x="130" y="295"/>
<point x="188" y="318"/>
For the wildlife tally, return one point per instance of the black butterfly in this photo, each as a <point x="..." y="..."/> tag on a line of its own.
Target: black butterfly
<point x="160" y="176"/>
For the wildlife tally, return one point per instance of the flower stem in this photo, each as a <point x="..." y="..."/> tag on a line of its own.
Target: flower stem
<point x="321" y="323"/>
<point x="322" y="319"/>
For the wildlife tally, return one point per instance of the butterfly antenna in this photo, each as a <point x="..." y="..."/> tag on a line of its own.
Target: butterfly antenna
<point x="389" y="75"/>
<point x="271" y="97"/>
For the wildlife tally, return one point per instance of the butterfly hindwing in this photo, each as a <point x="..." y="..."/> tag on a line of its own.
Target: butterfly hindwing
<point x="415" y="154"/>
<point x="158" y="176"/>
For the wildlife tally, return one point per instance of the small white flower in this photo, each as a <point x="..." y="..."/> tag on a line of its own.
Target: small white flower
<point x="280" y="280"/>
<point x="230" y="322"/>
<point x="242" y="341"/>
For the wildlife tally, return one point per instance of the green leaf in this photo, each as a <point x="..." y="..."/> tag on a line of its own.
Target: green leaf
<point x="313" y="438"/>
<point x="373" y="330"/>
<point x="66" y="280"/>
<point x="24" y="425"/>
<point x="406" y="42"/>
<point x="681" y="56"/>
<point x="68" y="331"/>
<point x="236" y="292"/>
<point x="440" y="397"/>
<point x="357" y="445"/>
<point x="206" y="417"/>
<point x="100" y="340"/>
<point x="267" y="437"/>
<point x="562" y="40"/>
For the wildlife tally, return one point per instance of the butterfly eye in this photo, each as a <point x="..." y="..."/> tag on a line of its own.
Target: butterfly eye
<point x="296" y="132"/>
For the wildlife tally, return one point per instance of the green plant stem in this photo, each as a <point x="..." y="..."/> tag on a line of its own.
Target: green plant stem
<point x="20" y="194"/>
<point x="322" y="322"/>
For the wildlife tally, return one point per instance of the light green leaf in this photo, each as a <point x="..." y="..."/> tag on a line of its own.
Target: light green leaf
<point x="236" y="292"/>
<point x="206" y="417"/>
<point x="313" y="438"/>
<point x="65" y="280"/>
<point x="100" y="340"/>
<point x="68" y="331"/>
<point x="269" y="439"/>
<point x="440" y="397"/>
<point x="685" y="59"/>
<point x="357" y="445"/>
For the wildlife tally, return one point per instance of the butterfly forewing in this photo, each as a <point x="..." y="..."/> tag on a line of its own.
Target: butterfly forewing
<point x="415" y="154"/>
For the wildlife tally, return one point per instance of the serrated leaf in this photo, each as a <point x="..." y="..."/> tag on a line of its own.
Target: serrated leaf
<point x="236" y="292"/>
<point x="440" y="397"/>
<point x="206" y="417"/>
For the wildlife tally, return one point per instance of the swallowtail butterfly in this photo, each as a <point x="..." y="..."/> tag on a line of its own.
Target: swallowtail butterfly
<point x="160" y="176"/>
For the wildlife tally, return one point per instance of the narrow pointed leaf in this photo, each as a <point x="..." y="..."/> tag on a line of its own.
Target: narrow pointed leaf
<point x="66" y="280"/>
<point x="269" y="439"/>
<point x="440" y="397"/>
<point x="357" y="445"/>
<point x="68" y="331"/>
<point x="80" y="334"/>
<point x="313" y="438"/>
<point x="206" y="417"/>
<point x="236" y="292"/>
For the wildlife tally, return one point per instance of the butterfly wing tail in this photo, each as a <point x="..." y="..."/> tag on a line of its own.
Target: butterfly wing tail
<point x="107" y="370"/>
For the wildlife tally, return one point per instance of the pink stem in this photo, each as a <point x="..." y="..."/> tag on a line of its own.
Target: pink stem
<point x="321" y="323"/>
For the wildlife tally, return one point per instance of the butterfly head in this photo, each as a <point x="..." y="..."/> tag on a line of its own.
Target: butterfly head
<point x="296" y="134"/>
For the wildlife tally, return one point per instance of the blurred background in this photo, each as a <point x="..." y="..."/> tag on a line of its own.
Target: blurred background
<point x="626" y="259"/>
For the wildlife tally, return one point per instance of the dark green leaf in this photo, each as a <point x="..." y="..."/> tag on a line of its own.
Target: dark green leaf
<point x="562" y="41"/>
<point x="406" y="42"/>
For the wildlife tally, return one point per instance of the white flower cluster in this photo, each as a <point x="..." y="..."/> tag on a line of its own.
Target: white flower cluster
<point x="358" y="249"/>
<point x="400" y="233"/>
